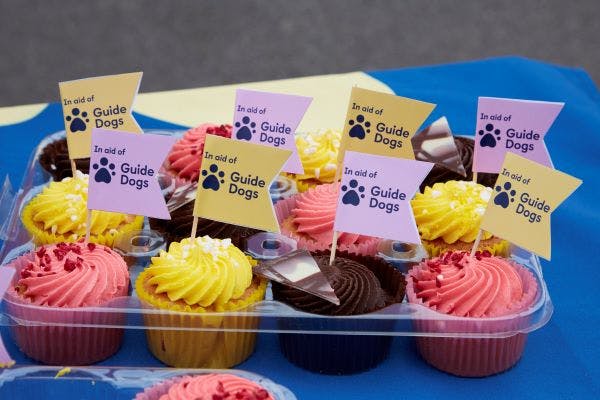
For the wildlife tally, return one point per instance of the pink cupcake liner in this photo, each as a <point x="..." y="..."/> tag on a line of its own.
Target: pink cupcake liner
<point x="475" y="357"/>
<point x="283" y="209"/>
<point x="44" y="333"/>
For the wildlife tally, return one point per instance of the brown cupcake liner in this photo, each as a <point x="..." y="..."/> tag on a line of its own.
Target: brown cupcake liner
<point x="343" y="354"/>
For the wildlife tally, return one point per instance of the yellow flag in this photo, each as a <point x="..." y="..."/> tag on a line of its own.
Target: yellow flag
<point x="525" y="195"/>
<point x="234" y="182"/>
<point x="382" y="124"/>
<point x="100" y="102"/>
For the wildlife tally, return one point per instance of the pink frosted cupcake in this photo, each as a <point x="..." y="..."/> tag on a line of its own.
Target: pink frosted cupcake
<point x="308" y="218"/>
<point x="489" y="294"/>
<point x="58" y="285"/>
<point x="183" y="162"/>
<point x="210" y="386"/>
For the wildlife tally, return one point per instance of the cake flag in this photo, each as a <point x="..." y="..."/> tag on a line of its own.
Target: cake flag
<point x="123" y="173"/>
<point x="6" y="276"/>
<point x="382" y="124"/>
<point x="270" y="119"/>
<point x="512" y="126"/>
<point x="525" y="195"/>
<point x="234" y="183"/>
<point x="99" y="102"/>
<point x="436" y="144"/>
<point x="375" y="196"/>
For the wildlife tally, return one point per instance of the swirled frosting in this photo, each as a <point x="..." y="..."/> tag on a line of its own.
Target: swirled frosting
<point x="486" y="286"/>
<point x="214" y="386"/>
<point x="185" y="157"/>
<point x="315" y="213"/>
<point x="180" y="226"/>
<point x="61" y="208"/>
<point x="201" y="271"/>
<point x="318" y="152"/>
<point x="465" y="150"/>
<point x="55" y="159"/>
<point x="357" y="287"/>
<point x="451" y="211"/>
<point x="73" y="275"/>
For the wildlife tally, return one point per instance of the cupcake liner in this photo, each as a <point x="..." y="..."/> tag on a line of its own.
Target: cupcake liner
<point x="496" y="246"/>
<point x="343" y="354"/>
<point x="50" y="340"/>
<point x="41" y="236"/>
<point x="283" y="209"/>
<point x="475" y="357"/>
<point x="209" y="341"/>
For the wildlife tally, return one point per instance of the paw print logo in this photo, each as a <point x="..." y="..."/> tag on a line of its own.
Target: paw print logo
<point x="353" y="193"/>
<point x="104" y="171"/>
<point x="77" y="121"/>
<point x="214" y="179"/>
<point x="490" y="137"/>
<point x="360" y="127"/>
<point x="505" y="196"/>
<point x="245" y="129"/>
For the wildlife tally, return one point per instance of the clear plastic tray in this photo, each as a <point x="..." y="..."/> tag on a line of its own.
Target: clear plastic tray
<point x="106" y="383"/>
<point x="266" y="316"/>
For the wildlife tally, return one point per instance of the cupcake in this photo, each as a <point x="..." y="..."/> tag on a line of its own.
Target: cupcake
<point x="55" y="160"/>
<point x="210" y="386"/>
<point x="180" y="226"/>
<point x="308" y="218"/>
<point x="363" y="285"/>
<point x="56" y="286"/>
<point x="441" y="174"/>
<point x="318" y="153"/>
<point x="183" y="162"/>
<point x="187" y="285"/>
<point x="472" y="290"/>
<point x="59" y="213"/>
<point x="448" y="216"/>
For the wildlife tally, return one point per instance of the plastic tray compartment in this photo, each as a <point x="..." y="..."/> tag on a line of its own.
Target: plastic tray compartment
<point x="106" y="383"/>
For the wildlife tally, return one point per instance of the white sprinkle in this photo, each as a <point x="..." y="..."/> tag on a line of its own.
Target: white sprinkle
<point x="439" y="277"/>
<point x="317" y="172"/>
<point x="330" y="167"/>
<point x="78" y="187"/>
<point x="435" y="193"/>
<point x="53" y="229"/>
<point x="53" y="167"/>
<point x="452" y="205"/>
<point x="486" y="194"/>
<point x="310" y="150"/>
<point x="73" y="218"/>
<point x="226" y="243"/>
<point x="479" y="210"/>
<point x="113" y="231"/>
<point x="74" y="237"/>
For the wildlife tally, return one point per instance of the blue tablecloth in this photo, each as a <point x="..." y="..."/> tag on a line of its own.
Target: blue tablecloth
<point x="561" y="360"/>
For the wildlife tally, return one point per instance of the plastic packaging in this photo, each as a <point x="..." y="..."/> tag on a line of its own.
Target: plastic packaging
<point x="394" y="320"/>
<point x="106" y="383"/>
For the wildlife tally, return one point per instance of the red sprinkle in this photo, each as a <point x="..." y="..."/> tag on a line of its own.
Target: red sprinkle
<point x="91" y="246"/>
<point x="40" y="253"/>
<point x="25" y="274"/>
<point x="262" y="394"/>
<point x="70" y="265"/>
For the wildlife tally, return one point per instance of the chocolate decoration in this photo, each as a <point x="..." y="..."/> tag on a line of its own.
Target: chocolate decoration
<point x="434" y="144"/>
<point x="55" y="159"/>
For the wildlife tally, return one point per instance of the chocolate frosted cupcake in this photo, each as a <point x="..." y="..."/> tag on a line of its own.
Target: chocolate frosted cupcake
<point x="465" y="149"/>
<point x="363" y="285"/>
<point x="55" y="160"/>
<point x="180" y="227"/>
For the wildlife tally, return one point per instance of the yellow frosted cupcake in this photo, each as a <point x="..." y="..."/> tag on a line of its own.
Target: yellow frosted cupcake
<point x="184" y="288"/>
<point x="59" y="214"/>
<point x="448" y="216"/>
<point x="318" y="152"/>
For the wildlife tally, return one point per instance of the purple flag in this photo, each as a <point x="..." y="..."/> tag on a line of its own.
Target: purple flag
<point x="123" y="172"/>
<point x="270" y="119"/>
<point x="375" y="196"/>
<point x="515" y="126"/>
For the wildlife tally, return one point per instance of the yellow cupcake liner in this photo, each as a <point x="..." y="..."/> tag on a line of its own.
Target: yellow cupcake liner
<point x="41" y="236"/>
<point x="496" y="246"/>
<point x="209" y="341"/>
